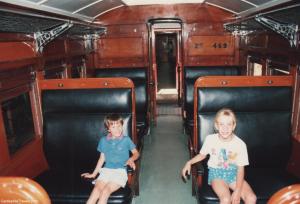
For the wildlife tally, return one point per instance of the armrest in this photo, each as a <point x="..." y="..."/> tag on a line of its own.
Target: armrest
<point x="130" y="170"/>
<point x="199" y="168"/>
<point x="133" y="177"/>
<point x="198" y="171"/>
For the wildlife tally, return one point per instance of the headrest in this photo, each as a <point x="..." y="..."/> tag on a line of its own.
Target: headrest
<point x="193" y="72"/>
<point x="136" y="73"/>
<point x="87" y="100"/>
<point x="244" y="99"/>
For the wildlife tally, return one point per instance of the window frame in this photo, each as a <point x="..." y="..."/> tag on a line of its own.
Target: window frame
<point x="31" y="89"/>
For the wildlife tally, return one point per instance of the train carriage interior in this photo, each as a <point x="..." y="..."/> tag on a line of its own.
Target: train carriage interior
<point x="166" y="67"/>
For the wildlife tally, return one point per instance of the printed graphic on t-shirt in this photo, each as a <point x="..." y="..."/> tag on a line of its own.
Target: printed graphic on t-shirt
<point x="226" y="159"/>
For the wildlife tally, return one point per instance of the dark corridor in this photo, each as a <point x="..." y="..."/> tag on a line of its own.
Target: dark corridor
<point x="166" y="61"/>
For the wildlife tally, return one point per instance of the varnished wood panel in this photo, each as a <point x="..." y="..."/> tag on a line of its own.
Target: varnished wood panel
<point x="54" y="49"/>
<point x="28" y="161"/>
<point x="211" y="45"/>
<point x="75" y="47"/>
<point x="14" y="78"/>
<point x="244" y="81"/>
<point x="120" y="48"/>
<point x="294" y="163"/>
<point x="85" y="83"/>
<point x="16" y="37"/>
<point x="207" y="60"/>
<point x="198" y="20"/>
<point x="189" y="13"/>
<point x="11" y="51"/>
<point x="4" y="155"/>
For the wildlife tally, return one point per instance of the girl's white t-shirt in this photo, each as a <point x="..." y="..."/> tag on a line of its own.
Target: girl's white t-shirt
<point x="225" y="154"/>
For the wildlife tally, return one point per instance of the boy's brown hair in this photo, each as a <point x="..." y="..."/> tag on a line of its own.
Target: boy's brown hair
<point x="113" y="117"/>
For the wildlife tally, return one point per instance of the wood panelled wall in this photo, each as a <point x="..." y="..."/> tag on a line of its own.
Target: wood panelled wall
<point x="20" y="68"/>
<point x="123" y="45"/>
<point x="270" y="47"/>
<point x="205" y="41"/>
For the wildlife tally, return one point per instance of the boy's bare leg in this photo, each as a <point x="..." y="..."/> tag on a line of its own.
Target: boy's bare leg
<point x="222" y="190"/>
<point x="108" y="189"/>
<point x="99" y="185"/>
<point x="247" y="193"/>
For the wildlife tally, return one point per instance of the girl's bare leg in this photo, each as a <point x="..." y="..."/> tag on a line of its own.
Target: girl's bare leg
<point x="221" y="188"/>
<point x="96" y="192"/>
<point x="108" y="189"/>
<point x="247" y="193"/>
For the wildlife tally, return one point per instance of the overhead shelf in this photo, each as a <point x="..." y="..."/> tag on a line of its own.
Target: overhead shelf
<point x="284" y="21"/>
<point x="31" y="23"/>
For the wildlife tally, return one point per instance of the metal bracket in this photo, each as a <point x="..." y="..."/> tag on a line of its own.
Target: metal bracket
<point x="44" y="37"/>
<point x="287" y="30"/>
<point x="89" y="40"/>
<point x="237" y="30"/>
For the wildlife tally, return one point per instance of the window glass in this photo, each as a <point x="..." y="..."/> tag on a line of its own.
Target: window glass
<point x="53" y="73"/>
<point x="75" y="71"/>
<point x="257" y="69"/>
<point x="18" y="121"/>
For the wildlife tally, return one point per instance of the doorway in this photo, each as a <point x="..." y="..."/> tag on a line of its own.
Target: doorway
<point x="166" y="61"/>
<point x="165" y="57"/>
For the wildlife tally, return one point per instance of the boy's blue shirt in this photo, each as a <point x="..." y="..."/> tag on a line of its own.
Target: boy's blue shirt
<point x="116" y="151"/>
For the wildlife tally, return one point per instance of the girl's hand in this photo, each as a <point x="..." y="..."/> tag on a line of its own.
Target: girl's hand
<point x="236" y="197"/>
<point x="88" y="175"/>
<point x="186" y="170"/>
<point x="131" y="163"/>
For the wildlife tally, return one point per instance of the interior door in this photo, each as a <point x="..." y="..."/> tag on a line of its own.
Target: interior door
<point x="179" y="68"/>
<point x="153" y="77"/>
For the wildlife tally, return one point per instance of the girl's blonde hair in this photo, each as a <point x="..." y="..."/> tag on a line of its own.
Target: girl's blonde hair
<point x="110" y="118"/>
<point x="225" y="112"/>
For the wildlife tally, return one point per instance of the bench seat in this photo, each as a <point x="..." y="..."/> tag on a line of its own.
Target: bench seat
<point x="263" y="107"/>
<point x="73" y="122"/>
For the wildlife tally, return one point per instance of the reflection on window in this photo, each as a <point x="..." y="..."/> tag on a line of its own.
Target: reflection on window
<point x="254" y="66"/>
<point x="18" y="121"/>
<point x="257" y="69"/>
<point x="53" y="74"/>
<point x="75" y="72"/>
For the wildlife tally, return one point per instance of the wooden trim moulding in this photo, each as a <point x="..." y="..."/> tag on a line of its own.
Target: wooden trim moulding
<point x="243" y="81"/>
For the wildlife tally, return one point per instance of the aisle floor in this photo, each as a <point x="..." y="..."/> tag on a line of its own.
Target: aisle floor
<point x="165" y="152"/>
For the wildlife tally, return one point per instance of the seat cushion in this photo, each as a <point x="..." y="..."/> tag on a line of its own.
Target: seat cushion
<point x="265" y="182"/>
<point x="69" y="187"/>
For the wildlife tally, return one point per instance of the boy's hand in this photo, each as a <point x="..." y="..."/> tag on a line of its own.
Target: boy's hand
<point x="186" y="170"/>
<point x="87" y="175"/>
<point x="131" y="163"/>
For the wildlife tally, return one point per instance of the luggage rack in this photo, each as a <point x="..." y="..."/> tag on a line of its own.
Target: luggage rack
<point x="283" y="21"/>
<point x="46" y="28"/>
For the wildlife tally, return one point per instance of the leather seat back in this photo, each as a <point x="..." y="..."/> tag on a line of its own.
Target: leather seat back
<point x="74" y="123"/>
<point x="139" y="77"/>
<point x="191" y="73"/>
<point x="263" y="116"/>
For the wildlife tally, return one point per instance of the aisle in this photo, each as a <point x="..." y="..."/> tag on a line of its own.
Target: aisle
<point x="165" y="152"/>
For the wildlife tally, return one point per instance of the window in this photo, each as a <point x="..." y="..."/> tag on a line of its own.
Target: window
<point x="18" y="121"/>
<point x="76" y="71"/>
<point x="257" y="69"/>
<point x="254" y="67"/>
<point x="279" y="66"/>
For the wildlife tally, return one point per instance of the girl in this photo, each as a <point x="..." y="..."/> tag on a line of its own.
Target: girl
<point x="114" y="150"/>
<point x="228" y="156"/>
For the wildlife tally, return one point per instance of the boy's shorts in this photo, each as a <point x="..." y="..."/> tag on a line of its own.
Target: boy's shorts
<point x="227" y="175"/>
<point x="117" y="176"/>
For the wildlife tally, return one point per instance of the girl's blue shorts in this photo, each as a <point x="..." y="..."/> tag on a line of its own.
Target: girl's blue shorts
<point x="227" y="175"/>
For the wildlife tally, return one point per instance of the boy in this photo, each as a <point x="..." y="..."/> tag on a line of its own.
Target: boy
<point x="114" y="151"/>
